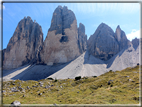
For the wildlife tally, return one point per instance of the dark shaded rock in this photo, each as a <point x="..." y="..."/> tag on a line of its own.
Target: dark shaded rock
<point x="50" y="78"/>
<point x="40" y="94"/>
<point x="135" y="43"/>
<point x="102" y="44"/>
<point x="64" y="39"/>
<point x="23" y="45"/>
<point x="41" y="83"/>
<point x="78" y="78"/>
<point x="121" y="38"/>
<point x="110" y="81"/>
<point x="82" y="38"/>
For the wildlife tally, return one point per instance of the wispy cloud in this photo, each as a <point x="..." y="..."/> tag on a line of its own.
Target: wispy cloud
<point x="134" y="34"/>
<point x="124" y="8"/>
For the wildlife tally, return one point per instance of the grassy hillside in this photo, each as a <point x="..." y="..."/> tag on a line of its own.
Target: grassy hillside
<point x="120" y="87"/>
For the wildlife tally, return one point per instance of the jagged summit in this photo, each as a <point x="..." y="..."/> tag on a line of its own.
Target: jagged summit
<point x="62" y="18"/>
<point x="118" y="27"/>
<point x="61" y="43"/>
<point x="121" y="38"/>
<point x="82" y="38"/>
<point x="23" y="45"/>
<point x="104" y="25"/>
<point x="102" y="43"/>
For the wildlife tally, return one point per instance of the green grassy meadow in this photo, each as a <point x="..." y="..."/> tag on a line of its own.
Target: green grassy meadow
<point x="123" y="88"/>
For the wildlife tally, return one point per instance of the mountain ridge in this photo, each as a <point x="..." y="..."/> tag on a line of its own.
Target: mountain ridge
<point x="66" y="52"/>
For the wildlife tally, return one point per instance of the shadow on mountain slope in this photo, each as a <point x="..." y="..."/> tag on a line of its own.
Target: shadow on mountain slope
<point x="110" y="61"/>
<point x="128" y="57"/>
<point x="37" y="72"/>
<point x="89" y="59"/>
<point x="32" y="72"/>
<point x="8" y="72"/>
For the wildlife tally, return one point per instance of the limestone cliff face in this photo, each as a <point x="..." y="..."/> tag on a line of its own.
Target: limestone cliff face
<point x="121" y="38"/>
<point x="61" y="43"/>
<point x="23" y="45"/>
<point x="102" y="44"/>
<point x="82" y="38"/>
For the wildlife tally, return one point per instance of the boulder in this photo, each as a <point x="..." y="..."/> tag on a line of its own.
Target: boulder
<point x="24" y="44"/>
<point x="82" y="38"/>
<point x="61" y="43"/>
<point x="15" y="104"/>
<point x="102" y="44"/>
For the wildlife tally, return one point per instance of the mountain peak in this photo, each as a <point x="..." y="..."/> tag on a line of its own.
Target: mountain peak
<point x="120" y="36"/>
<point x="102" y="43"/>
<point x="23" y="45"/>
<point x="103" y="24"/>
<point x="118" y="27"/>
<point x="63" y="33"/>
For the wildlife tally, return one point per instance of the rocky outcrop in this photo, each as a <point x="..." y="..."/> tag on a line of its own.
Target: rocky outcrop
<point x="82" y="38"/>
<point x="23" y="45"/>
<point x="135" y="43"/>
<point x="61" y="43"/>
<point x="102" y="44"/>
<point x="62" y="18"/>
<point x="121" y="38"/>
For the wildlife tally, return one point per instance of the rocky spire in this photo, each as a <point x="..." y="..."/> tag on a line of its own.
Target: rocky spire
<point x="121" y="38"/>
<point x="82" y="38"/>
<point x="24" y="43"/>
<point x="102" y="44"/>
<point x="61" y="43"/>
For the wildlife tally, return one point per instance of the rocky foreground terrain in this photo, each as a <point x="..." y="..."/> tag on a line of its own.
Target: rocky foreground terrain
<point x="66" y="52"/>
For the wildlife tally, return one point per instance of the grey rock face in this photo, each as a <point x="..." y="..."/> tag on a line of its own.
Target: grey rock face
<point x="23" y="45"/>
<point x="121" y="38"/>
<point x="102" y="44"/>
<point x="61" y="43"/>
<point x="82" y="38"/>
<point x="62" y="18"/>
<point x="135" y="43"/>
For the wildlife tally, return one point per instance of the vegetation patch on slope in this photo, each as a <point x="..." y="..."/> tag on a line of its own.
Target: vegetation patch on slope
<point x="120" y="87"/>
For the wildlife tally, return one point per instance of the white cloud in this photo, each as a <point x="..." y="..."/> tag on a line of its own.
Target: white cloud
<point x="134" y="34"/>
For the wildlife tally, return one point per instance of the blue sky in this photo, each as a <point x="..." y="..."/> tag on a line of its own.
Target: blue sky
<point x="127" y="15"/>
